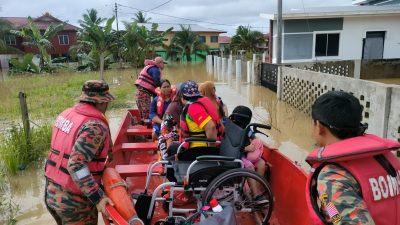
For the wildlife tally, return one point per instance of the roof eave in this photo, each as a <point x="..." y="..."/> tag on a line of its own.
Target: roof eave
<point x="335" y="14"/>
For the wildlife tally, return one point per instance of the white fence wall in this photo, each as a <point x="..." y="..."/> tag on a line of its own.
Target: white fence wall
<point x="381" y="112"/>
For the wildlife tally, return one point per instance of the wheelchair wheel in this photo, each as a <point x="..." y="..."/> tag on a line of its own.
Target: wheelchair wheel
<point x="247" y="191"/>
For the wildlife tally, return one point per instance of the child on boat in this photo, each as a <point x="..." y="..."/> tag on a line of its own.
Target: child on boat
<point x="252" y="157"/>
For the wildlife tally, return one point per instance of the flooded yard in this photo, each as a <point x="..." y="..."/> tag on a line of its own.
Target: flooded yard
<point x="291" y="132"/>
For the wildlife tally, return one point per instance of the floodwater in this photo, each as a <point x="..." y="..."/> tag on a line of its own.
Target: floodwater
<point x="290" y="133"/>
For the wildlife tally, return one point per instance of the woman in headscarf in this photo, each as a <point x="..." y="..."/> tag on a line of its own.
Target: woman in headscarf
<point x="170" y="124"/>
<point x="208" y="90"/>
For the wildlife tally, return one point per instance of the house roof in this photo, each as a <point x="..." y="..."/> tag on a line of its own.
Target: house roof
<point x="224" y="39"/>
<point x="42" y="22"/>
<point x="339" y="11"/>
<point x="177" y="27"/>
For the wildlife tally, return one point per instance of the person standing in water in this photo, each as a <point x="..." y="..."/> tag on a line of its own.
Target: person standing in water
<point x="80" y="145"/>
<point x="146" y="84"/>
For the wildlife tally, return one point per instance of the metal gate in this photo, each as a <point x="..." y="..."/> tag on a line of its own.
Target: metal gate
<point x="269" y="76"/>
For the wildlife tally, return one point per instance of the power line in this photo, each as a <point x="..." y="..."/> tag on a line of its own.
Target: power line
<point x="176" y="17"/>
<point x="158" y="6"/>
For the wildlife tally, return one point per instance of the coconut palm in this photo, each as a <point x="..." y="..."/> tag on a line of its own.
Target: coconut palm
<point x="141" y="18"/>
<point x="90" y="18"/>
<point x="246" y="39"/>
<point x="35" y="38"/>
<point x="187" y="43"/>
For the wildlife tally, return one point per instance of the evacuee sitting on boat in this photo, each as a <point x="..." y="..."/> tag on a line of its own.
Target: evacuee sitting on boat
<point x="170" y="124"/>
<point x="160" y="103"/>
<point x="199" y="118"/>
<point x="253" y="152"/>
<point x="146" y="84"/>
<point x="207" y="89"/>
<point x="355" y="178"/>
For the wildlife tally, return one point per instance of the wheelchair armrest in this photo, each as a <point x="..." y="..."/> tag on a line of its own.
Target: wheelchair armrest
<point x="200" y="139"/>
<point x="214" y="157"/>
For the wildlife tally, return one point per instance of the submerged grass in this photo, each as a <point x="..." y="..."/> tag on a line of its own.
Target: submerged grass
<point x="47" y="96"/>
<point x="16" y="152"/>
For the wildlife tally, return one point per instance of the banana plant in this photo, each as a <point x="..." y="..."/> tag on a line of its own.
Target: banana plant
<point x="24" y="65"/>
<point x="34" y="38"/>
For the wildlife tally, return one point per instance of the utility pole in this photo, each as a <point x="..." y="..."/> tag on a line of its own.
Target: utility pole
<point x="279" y="39"/>
<point x="118" y="44"/>
<point x="116" y="14"/>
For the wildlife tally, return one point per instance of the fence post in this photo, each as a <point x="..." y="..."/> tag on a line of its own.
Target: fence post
<point x="238" y="69"/>
<point x="223" y="69"/>
<point x="25" y="115"/>
<point x="248" y="71"/>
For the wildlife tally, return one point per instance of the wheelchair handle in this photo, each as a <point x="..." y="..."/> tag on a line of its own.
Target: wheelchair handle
<point x="259" y="125"/>
<point x="214" y="157"/>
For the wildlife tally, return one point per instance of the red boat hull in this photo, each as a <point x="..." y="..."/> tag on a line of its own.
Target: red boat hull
<point x="288" y="181"/>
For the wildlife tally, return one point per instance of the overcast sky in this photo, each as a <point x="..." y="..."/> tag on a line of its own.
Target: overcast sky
<point x="229" y="13"/>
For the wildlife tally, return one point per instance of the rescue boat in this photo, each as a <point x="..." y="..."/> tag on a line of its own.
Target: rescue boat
<point x="134" y="152"/>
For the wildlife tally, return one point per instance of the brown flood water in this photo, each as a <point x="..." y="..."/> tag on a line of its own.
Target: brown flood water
<point x="291" y="132"/>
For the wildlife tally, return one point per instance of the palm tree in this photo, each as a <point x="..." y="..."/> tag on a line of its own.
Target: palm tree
<point x="101" y="39"/>
<point x="34" y="38"/>
<point x="187" y="42"/>
<point x="246" y="39"/>
<point x="140" y="43"/>
<point x="90" y="18"/>
<point x="141" y="18"/>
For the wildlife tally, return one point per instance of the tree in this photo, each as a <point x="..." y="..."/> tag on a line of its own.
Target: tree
<point x="140" y="43"/>
<point x="34" y="38"/>
<point x="101" y="39"/>
<point x="90" y="18"/>
<point x="5" y="28"/>
<point x="187" y="42"/>
<point x="246" y="39"/>
<point x="141" y="18"/>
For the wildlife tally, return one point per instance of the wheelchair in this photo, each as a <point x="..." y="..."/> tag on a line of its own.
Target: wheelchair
<point x="207" y="173"/>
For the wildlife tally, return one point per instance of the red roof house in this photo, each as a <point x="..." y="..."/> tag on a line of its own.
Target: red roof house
<point x="61" y="41"/>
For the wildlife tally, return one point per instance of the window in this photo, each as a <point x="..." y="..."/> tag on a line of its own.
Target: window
<point x="202" y="39"/>
<point x="327" y="44"/>
<point x="63" y="39"/>
<point x="10" y="40"/>
<point x="214" y="39"/>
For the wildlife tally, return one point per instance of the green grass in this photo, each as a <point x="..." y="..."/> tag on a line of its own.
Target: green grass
<point x="49" y="94"/>
<point x="16" y="152"/>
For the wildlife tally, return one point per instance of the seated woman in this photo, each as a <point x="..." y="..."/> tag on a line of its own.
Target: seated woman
<point x="170" y="124"/>
<point x="159" y="104"/>
<point x="252" y="157"/>
<point x="207" y="89"/>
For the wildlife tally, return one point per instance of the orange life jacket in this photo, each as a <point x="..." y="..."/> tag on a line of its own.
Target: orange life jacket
<point x="145" y="80"/>
<point x="65" y="131"/>
<point x="380" y="188"/>
<point x="160" y="100"/>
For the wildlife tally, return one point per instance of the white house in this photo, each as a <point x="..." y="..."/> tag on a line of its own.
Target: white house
<point x="338" y="33"/>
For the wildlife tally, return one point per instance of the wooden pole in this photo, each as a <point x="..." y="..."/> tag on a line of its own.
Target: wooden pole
<point x="25" y="115"/>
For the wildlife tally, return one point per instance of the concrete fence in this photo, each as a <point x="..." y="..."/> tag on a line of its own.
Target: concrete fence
<point x="223" y="69"/>
<point x="381" y="102"/>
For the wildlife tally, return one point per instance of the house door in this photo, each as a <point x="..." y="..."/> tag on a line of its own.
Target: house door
<point x="373" y="45"/>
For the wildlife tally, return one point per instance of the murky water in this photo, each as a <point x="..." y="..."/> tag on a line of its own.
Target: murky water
<point x="290" y="133"/>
